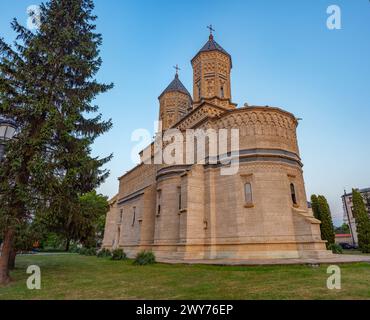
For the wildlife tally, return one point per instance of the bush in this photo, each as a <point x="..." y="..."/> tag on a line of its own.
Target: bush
<point x="104" y="253"/>
<point x="75" y="250"/>
<point x="365" y="248"/>
<point x="118" y="254"/>
<point x="144" y="258"/>
<point x="82" y="251"/>
<point x="91" y="252"/>
<point x="335" y="248"/>
<point x="87" y="251"/>
<point x="52" y="243"/>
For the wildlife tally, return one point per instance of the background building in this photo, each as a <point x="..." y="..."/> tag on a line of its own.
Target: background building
<point x="348" y="210"/>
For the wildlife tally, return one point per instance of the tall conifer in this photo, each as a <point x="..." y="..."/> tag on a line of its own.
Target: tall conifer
<point x="362" y="221"/>
<point x="327" y="227"/>
<point x="315" y="206"/>
<point x="47" y="85"/>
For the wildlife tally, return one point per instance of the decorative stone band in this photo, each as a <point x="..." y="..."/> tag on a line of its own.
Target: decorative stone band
<point x="261" y="158"/>
<point x="249" y="155"/>
<point x="176" y="170"/>
<point x="131" y="196"/>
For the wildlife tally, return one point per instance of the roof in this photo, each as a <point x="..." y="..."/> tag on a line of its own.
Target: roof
<point x="212" y="45"/>
<point x="365" y="190"/>
<point x="175" y="85"/>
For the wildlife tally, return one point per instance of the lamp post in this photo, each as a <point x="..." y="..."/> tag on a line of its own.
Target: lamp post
<point x="7" y="131"/>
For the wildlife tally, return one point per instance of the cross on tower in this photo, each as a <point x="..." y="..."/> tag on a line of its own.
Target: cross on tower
<point x="177" y="69"/>
<point x="210" y="27"/>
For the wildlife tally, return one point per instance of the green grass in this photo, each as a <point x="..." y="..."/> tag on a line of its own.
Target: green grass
<point x="80" y="277"/>
<point x="355" y="251"/>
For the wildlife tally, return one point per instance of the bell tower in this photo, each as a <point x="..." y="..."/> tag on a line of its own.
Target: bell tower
<point x="212" y="74"/>
<point x="175" y="102"/>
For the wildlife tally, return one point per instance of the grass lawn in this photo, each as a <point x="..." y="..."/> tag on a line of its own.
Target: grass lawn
<point x="80" y="277"/>
<point x="355" y="251"/>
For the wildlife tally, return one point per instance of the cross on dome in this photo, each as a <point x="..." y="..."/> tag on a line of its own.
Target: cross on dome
<point x="177" y="69"/>
<point x="211" y="30"/>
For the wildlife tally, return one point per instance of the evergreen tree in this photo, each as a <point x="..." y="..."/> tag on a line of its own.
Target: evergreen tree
<point x="47" y="85"/>
<point x="327" y="228"/>
<point x="81" y="221"/>
<point x="362" y="221"/>
<point x="315" y="206"/>
<point x="343" y="229"/>
<point x="95" y="207"/>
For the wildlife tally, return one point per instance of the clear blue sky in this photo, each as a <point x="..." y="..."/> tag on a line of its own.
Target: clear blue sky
<point x="283" y="55"/>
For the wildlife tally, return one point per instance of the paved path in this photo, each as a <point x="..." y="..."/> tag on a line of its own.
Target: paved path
<point x="336" y="259"/>
<point x="46" y="254"/>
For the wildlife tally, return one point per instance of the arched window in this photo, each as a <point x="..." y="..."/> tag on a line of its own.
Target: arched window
<point x="222" y="92"/>
<point x="199" y="91"/>
<point x="248" y="193"/>
<point x="292" y="192"/>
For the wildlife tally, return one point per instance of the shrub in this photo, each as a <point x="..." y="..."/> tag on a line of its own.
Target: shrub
<point x="335" y="248"/>
<point x="118" y="254"/>
<point x="365" y="248"/>
<point x="144" y="258"/>
<point x="91" y="252"/>
<point x="75" y="250"/>
<point x="82" y="251"/>
<point x="87" y="251"/>
<point x="104" y="253"/>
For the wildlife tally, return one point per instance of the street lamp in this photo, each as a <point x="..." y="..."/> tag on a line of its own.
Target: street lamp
<point x="7" y="131"/>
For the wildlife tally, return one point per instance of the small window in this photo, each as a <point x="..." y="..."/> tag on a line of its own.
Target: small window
<point x="159" y="201"/>
<point x="222" y="92"/>
<point x="199" y="91"/>
<point x="292" y="191"/>
<point x="118" y="236"/>
<point x="248" y="193"/>
<point x="121" y="216"/>
<point x="180" y="200"/>
<point x="134" y="217"/>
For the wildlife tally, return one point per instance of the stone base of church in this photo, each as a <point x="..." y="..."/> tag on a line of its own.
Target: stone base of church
<point x="246" y="251"/>
<point x="330" y="260"/>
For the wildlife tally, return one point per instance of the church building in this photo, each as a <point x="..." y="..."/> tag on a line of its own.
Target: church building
<point x="193" y="212"/>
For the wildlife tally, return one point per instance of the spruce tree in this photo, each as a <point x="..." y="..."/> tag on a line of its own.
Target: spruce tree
<point x="326" y="227"/>
<point x="47" y="85"/>
<point x="362" y="221"/>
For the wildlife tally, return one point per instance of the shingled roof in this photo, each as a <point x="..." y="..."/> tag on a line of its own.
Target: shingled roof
<point x="175" y="85"/>
<point x="212" y="45"/>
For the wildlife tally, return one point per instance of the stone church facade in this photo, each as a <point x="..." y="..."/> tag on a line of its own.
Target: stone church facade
<point x="192" y="212"/>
